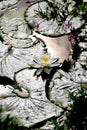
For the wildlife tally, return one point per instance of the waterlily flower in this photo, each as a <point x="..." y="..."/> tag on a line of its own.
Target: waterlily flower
<point x="37" y="26"/>
<point x="44" y="61"/>
<point x="67" y="25"/>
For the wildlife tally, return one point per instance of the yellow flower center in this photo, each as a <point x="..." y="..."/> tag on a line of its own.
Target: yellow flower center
<point x="45" y="60"/>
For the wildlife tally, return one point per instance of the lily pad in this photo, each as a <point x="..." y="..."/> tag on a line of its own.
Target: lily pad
<point x="42" y="14"/>
<point x="16" y="31"/>
<point x="34" y="109"/>
<point x="14" y="59"/>
<point x="62" y="82"/>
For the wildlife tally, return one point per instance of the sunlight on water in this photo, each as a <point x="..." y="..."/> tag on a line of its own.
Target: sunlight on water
<point x="17" y="12"/>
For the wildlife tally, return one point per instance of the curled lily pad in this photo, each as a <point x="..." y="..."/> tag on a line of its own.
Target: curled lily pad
<point x="14" y="59"/>
<point x="36" y="107"/>
<point x="58" y="47"/>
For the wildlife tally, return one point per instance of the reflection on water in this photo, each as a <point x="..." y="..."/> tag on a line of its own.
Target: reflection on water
<point x="17" y="11"/>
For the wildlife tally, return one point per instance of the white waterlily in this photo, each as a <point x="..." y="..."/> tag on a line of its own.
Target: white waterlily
<point x="45" y="61"/>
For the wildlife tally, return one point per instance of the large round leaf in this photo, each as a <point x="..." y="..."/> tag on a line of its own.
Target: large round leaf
<point x="14" y="59"/>
<point x="50" y="17"/>
<point x="36" y="107"/>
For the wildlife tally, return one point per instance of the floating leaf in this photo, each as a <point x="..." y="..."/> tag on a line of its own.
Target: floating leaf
<point x="14" y="59"/>
<point x="34" y="109"/>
